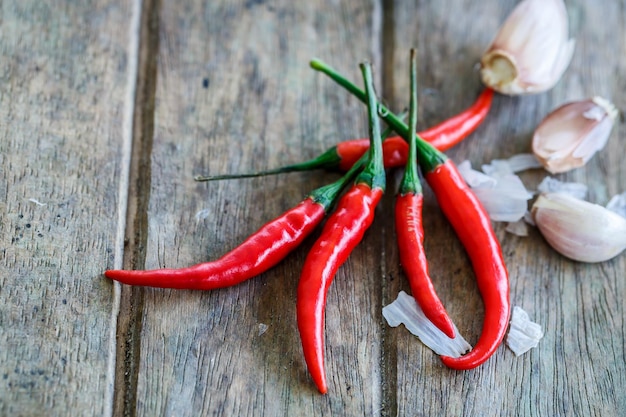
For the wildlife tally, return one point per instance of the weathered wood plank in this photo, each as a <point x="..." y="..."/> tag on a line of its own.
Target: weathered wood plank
<point x="63" y="87"/>
<point x="234" y="93"/>
<point x="578" y="367"/>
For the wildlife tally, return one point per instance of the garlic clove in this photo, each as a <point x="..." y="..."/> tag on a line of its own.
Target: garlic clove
<point x="571" y="134"/>
<point x="578" y="229"/>
<point x="531" y="50"/>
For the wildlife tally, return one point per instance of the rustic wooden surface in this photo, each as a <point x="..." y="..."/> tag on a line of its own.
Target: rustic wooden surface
<point x="107" y="110"/>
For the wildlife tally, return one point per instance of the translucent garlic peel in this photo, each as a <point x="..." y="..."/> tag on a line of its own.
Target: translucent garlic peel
<point x="531" y="50"/>
<point x="507" y="201"/>
<point x="503" y="195"/>
<point x="578" y="229"/>
<point x="404" y="310"/>
<point x="552" y="185"/>
<point x="523" y="333"/>
<point x="475" y="179"/>
<point x="617" y="204"/>
<point x="516" y="163"/>
<point x="518" y="228"/>
<point x="571" y="134"/>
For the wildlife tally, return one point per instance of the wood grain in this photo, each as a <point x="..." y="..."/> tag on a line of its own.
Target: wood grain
<point x="63" y="86"/>
<point x="576" y="369"/>
<point x="235" y="94"/>
<point x="224" y="87"/>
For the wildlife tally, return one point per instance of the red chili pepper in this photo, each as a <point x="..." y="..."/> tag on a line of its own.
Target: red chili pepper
<point x="343" y="230"/>
<point x="395" y="151"/>
<point x="472" y="225"/>
<point x="452" y="131"/>
<point x="261" y="251"/>
<point x="442" y="136"/>
<point x="410" y="236"/>
<point x="258" y="253"/>
<point x="409" y="230"/>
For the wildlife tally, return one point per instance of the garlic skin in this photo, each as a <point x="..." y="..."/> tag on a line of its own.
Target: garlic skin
<point x="531" y="50"/>
<point x="405" y="310"/>
<point x="524" y="334"/>
<point x="571" y="134"/>
<point x="578" y="229"/>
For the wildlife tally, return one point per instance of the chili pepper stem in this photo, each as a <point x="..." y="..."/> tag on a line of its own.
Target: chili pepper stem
<point x="328" y="159"/>
<point x="429" y="157"/>
<point x="374" y="173"/>
<point x="410" y="181"/>
<point x="328" y="194"/>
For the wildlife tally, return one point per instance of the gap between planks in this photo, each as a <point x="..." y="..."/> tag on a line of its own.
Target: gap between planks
<point x="388" y="350"/>
<point x="134" y="197"/>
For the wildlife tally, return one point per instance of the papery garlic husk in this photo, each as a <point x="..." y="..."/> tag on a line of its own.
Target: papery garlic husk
<point x="531" y="50"/>
<point x="552" y="185"/>
<point x="405" y="310"/>
<point x="524" y="334"/>
<point x="617" y="204"/>
<point x="578" y="229"/>
<point x="571" y="134"/>
<point x="502" y="194"/>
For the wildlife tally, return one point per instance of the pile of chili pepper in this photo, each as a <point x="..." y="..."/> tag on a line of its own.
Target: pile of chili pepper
<point x="348" y="205"/>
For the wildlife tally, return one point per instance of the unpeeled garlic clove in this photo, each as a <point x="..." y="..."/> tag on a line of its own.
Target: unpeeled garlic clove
<point x="578" y="229"/>
<point x="531" y="50"/>
<point x="569" y="135"/>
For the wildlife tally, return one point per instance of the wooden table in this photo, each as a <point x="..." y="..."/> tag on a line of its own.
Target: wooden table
<point x="108" y="108"/>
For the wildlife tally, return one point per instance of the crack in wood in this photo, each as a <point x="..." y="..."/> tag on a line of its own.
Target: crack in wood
<point x="132" y="298"/>
<point x="388" y="348"/>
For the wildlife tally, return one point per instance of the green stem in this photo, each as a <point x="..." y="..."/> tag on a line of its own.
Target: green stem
<point x="411" y="181"/>
<point x="330" y="159"/>
<point x="328" y="194"/>
<point x="428" y="157"/>
<point x="374" y="172"/>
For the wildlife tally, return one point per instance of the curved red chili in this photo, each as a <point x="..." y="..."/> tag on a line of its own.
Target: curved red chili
<point x="343" y="230"/>
<point x="471" y="224"/>
<point x="261" y="251"/>
<point x="473" y="227"/>
<point x="409" y="231"/>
